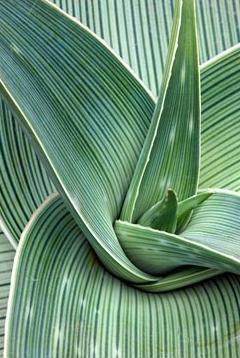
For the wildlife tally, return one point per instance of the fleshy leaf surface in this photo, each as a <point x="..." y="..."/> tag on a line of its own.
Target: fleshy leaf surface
<point x="68" y="124"/>
<point x="24" y="181"/>
<point x="216" y="223"/>
<point x="7" y="254"/>
<point x="220" y="149"/>
<point x="76" y="314"/>
<point x="163" y="215"/>
<point x="211" y="239"/>
<point x="139" y="31"/>
<point x="223" y="68"/>
<point x="186" y="206"/>
<point x="170" y="156"/>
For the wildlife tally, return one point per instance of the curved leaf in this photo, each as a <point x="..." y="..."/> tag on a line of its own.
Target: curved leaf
<point x="24" y="181"/>
<point x="158" y="252"/>
<point x="186" y="206"/>
<point x="163" y="215"/>
<point x="145" y="101"/>
<point x="171" y="152"/>
<point x="220" y="157"/>
<point x="139" y="31"/>
<point x="216" y="223"/>
<point x="76" y="314"/>
<point x="6" y="261"/>
<point x="69" y="100"/>
<point x="211" y="239"/>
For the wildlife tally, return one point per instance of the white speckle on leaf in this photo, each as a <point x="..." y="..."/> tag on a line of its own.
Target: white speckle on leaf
<point x="76" y="203"/>
<point x="28" y="311"/>
<point x="172" y="135"/>
<point x="58" y="334"/>
<point x="15" y="49"/>
<point x="215" y="328"/>
<point x="97" y="312"/>
<point x="190" y="125"/>
<point x="183" y="73"/>
<point x="117" y="353"/>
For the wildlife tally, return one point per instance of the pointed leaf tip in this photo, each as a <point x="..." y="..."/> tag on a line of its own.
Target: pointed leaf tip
<point x="171" y="152"/>
<point x="163" y="215"/>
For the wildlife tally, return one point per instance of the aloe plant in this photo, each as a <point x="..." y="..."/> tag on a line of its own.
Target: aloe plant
<point x="123" y="209"/>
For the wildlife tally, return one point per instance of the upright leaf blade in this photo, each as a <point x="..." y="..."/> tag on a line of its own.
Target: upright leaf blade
<point x="170" y="156"/>
<point x="139" y="30"/>
<point x="222" y="64"/>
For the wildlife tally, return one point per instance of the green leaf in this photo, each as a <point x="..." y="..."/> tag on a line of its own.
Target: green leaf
<point x="170" y="155"/>
<point x="24" y="181"/>
<point x="158" y="252"/>
<point x="182" y="277"/>
<point x="143" y="43"/>
<point x="216" y="224"/>
<point x="193" y="202"/>
<point x="70" y="100"/>
<point x="6" y="261"/>
<point x="186" y="206"/>
<point x="220" y="158"/>
<point x="139" y="30"/>
<point x="79" y="310"/>
<point x="145" y="103"/>
<point x="163" y="215"/>
<point x="75" y="314"/>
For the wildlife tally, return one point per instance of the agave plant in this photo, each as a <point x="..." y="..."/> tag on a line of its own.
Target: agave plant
<point x="126" y="233"/>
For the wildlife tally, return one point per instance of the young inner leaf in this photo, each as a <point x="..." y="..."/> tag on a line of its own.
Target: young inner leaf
<point x="163" y="215"/>
<point x="170" y="155"/>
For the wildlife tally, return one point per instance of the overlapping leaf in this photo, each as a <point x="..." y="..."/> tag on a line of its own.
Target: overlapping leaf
<point x="170" y="156"/>
<point x="139" y="31"/>
<point x="105" y="252"/>
<point x="60" y="106"/>
<point x="24" y="182"/>
<point x="162" y="215"/>
<point x="211" y="239"/>
<point x="6" y="261"/>
<point x="76" y="314"/>
<point x="220" y="150"/>
<point x="205" y="316"/>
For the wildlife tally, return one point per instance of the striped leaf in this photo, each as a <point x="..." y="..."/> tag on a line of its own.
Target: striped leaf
<point x="216" y="223"/>
<point x="24" y="181"/>
<point x="163" y="215"/>
<point x="186" y="206"/>
<point x="105" y="242"/>
<point x="220" y="149"/>
<point x="170" y="155"/>
<point x="139" y="30"/>
<point x="69" y="100"/>
<point x="211" y="239"/>
<point x="193" y="202"/>
<point x="6" y="261"/>
<point x="75" y="315"/>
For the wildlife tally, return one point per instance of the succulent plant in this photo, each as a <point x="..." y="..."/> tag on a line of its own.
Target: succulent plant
<point x="124" y="209"/>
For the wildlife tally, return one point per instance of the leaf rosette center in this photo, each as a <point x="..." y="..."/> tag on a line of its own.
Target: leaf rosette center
<point x="127" y="166"/>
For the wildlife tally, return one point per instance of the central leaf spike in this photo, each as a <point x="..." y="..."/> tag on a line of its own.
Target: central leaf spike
<point x="171" y="153"/>
<point x="163" y="215"/>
